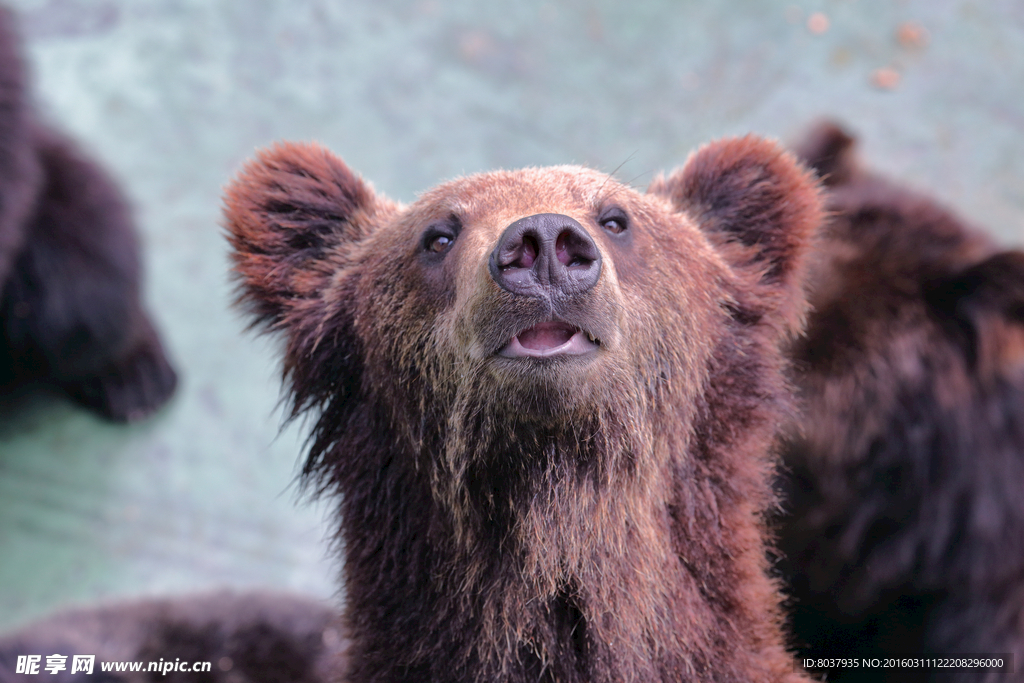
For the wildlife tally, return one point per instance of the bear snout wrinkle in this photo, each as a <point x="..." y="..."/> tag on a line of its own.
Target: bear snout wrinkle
<point x="547" y="255"/>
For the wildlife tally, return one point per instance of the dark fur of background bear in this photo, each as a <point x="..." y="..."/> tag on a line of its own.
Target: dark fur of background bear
<point x="248" y="637"/>
<point x="905" y="532"/>
<point x="70" y="308"/>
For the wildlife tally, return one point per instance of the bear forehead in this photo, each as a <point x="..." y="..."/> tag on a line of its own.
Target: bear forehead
<point x="507" y="195"/>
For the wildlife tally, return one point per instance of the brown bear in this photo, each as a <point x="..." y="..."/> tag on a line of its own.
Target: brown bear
<point x="70" y="307"/>
<point x="905" y="532"/>
<point x="544" y="403"/>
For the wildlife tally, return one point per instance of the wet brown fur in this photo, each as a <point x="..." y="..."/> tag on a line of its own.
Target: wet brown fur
<point x="559" y="520"/>
<point x="906" y="530"/>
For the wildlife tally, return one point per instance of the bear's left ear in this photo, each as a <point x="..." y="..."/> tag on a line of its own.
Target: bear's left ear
<point x="292" y="214"/>
<point x="760" y="207"/>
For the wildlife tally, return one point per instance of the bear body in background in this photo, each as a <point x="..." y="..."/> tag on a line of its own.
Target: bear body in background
<point x="905" y="532"/>
<point x="544" y="403"/>
<point x="70" y="308"/>
<point x="252" y="637"/>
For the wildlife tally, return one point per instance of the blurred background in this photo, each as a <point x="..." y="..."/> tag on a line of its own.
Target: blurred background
<point x="173" y="95"/>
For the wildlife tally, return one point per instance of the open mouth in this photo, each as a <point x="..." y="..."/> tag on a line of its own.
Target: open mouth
<point x="554" y="338"/>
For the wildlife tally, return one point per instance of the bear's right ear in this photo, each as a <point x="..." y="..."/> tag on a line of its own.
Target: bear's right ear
<point x="291" y="213"/>
<point x="761" y="208"/>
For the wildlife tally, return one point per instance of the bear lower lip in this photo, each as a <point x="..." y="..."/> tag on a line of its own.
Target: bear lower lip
<point x="549" y="339"/>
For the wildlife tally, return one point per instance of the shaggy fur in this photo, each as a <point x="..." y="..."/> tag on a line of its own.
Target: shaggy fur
<point x="70" y="308"/>
<point x="589" y="518"/>
<point x="906" y="527"/>
<point x="247" y="638"/>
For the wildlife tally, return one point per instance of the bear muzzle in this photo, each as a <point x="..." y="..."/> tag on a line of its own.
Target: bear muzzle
<point x="552" y="258"/>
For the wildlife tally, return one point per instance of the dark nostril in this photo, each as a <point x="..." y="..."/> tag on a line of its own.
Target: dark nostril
<point x="518" y="254"/>
<point x="571" y="250"/>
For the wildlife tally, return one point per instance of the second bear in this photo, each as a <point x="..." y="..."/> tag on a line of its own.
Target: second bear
<point x="71" y="313"/>
<point x="905" y="533"/>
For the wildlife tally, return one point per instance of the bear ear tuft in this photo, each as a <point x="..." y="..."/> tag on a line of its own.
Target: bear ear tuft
<point x="982" y="308"/>
<point x="290" y="213"/>
<point x="760" y="207"/>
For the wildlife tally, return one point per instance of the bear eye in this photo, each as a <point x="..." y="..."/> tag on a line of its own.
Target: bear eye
<point x="613" y="220"/>
<point x="440" y="236"/>
<point x="439" y="243"/>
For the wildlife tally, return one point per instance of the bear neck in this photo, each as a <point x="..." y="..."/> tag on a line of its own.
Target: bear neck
<point x="559" y="566"/>
<point x="558" y="560"/>
<point x="618" y="548"/>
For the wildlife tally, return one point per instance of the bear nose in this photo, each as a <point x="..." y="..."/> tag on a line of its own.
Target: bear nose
<point x="545" y="254"/>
